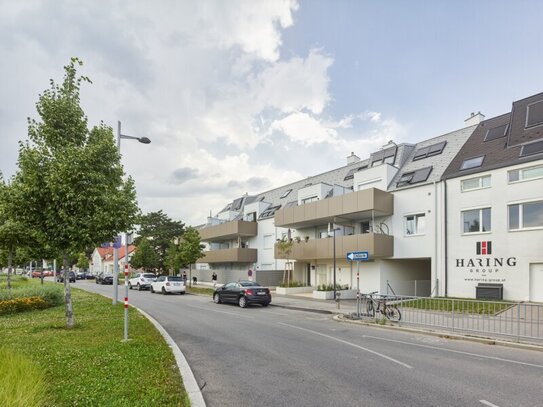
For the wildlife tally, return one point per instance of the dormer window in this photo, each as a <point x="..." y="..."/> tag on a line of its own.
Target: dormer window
<point x="531" y="149"/>
<point x="414" y="177"/>
<point x="496" y="133"/>
<point x="472" y="163"/>
<point x="534" y="114"/>
<point x="285" y="194"/>
<point x="429" y="151"/>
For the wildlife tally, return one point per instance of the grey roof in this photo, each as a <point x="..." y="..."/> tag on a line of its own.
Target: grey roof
<point x="454" y="142"/>
<point x="503" y="151"/>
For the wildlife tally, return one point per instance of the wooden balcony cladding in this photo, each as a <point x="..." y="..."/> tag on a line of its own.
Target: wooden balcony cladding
<point x="235" y="255"/>
<point x="352" y="205"/>
<point x="377" y="245"/>
<point x="228" y="230"/>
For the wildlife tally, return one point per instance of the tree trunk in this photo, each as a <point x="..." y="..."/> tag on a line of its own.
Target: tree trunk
<point x="10" y="257"/>
<point x="67" y="295"/>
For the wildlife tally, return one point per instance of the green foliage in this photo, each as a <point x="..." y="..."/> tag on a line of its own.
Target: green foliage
<point x="191" y="247"/>
<point x="145" y="256"/>
<point x="284" y="248"/>
<point x="161" y="231"/>
<point x="70" y="185"/>
<point x="82" y="261"/>
<point x="330" y="287"/>
<point x="90" y="365"/>
<point x="23" y="382"/>
<point x="22" y="288"/>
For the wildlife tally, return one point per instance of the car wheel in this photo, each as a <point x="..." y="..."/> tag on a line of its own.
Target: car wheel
<point x="129" y="286"/>
<point x="216" y="298"/>
<point x="163" y="291"/>
<point x="139" y="287"/>
<point x="152" y="290"/>
<point x="265" y="304"/>
<point x="242" y="302"/>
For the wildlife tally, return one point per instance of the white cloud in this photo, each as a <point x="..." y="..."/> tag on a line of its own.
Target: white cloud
<point x="304" y="129"/>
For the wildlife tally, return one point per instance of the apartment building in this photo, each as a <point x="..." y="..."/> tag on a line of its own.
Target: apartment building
<point x="402" y="205"/>
<point x="494" y="195"/>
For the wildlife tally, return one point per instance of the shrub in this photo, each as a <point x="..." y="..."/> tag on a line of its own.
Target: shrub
<point x="22" y="382"/>
<point x="330" y="287"/>
<point x="22" y="304"/>
<point x="29" y="298"/>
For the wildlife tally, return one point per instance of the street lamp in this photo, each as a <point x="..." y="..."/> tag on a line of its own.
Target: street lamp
<point x="143" y="140"/>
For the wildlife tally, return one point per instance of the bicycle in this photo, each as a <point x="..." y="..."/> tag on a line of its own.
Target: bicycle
<point x="380" y="305"/>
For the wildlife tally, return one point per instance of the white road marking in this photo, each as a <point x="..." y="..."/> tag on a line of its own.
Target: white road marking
<point x="454" y="351"/>
<point x="487" y="403"/>
<point x="348" y="343"/>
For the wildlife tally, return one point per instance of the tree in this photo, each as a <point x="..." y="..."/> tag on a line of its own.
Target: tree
<point x="160" y="231"/>
<point x="70" y="180"/>
<point x="190" y="249"/>
<point x="284" y="248"/>
<point x="82" y="261"/>
<point x="145" y="256"/>
<point x="14" y="235"/>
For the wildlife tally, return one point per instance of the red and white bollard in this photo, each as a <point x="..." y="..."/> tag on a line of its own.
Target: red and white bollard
<point x="125" y="301"/>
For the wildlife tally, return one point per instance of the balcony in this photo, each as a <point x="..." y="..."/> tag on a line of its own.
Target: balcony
<point x="376" y="244"/>
<point x="235" y="255"/>
<point x="352" y="206"/>
<point x="228" y="231"/>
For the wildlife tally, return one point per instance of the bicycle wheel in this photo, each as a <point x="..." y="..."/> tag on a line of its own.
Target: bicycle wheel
<point x="393" y="313"/>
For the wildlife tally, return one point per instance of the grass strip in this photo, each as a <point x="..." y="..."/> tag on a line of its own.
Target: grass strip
<point x="90" y="365"/>
<point x="200" y="290"/>
<point x="457" y="304"/>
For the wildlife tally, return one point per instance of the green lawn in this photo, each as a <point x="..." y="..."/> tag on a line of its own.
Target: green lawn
<point x="458" y="304"/>
<point x="90" y="365"/>
<point x="200" y="290"/>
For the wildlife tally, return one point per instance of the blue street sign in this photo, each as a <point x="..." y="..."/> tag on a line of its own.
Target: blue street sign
<point x="117" y="243"/>
<point x="357" y="256"/>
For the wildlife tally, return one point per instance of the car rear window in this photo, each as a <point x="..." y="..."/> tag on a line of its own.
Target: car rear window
<point x="175" y="279"/>
<point x="149" y="276"/>
<point x="249" y="284"/>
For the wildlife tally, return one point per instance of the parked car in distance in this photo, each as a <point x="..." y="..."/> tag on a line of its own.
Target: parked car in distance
<point x="168" y="284"/>
<point x="104" y="278"/>
<point x="80" y="275"/>
<point x="242" y="293"/>
<point x="48" y="273"/>
<point x="60" y="276"/>
<point x="37" y="273"/>
<point x="141" y="281"/>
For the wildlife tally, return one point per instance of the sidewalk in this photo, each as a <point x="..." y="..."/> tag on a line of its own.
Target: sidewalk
<point x="305" y="303"/>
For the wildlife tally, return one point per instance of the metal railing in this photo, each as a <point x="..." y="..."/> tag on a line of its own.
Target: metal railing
<point x="521" y="322"/>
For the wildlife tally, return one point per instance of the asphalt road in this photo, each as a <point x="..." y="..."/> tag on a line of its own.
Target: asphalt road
<point x="279" y="357"/>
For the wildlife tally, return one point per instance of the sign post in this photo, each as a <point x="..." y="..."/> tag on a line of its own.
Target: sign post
<point x="358" y="257"/>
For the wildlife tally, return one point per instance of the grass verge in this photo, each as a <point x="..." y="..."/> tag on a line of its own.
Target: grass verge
<point x="457" y="304"/>
<point x="200" y="290"/>
<point x="90" y="365"/>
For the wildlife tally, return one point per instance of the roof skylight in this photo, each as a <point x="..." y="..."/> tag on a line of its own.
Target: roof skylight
<point x="472" y="163"/>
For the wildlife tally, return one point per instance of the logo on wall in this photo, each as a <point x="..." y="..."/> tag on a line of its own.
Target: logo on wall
<point x="484" y="248"/>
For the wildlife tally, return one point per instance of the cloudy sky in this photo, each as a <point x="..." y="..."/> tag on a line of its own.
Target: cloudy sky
<point x="245" y="95"/>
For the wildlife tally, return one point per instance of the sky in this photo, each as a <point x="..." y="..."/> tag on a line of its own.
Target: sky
<point x="242" y="96"/>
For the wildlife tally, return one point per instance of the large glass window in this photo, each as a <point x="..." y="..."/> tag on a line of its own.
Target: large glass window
<point x="475" y="183"/>
<point x="526" y="215"/>
<point x="415" y="224"/>
<point x="310" y="199"/>
<point x="476" y="220"/>
<point x="524" y="174"/>
<point x="472" y="163"/>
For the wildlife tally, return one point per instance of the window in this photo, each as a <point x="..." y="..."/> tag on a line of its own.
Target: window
<point x="475" y="183"/>
<point x="525" y="174"/>
<point x="365" y="226"/>
<point x="352" y="171"/>
<point x="526" y="215"/>
<point x="413" y="177"/>
<point x="472" y="163"/>
<point x="310" y="199"/>
<point x="434" y="149"/>
<point x="251" y="217"/>
<point x="534" y="114"/>
<point x="384" y="156"/>
<point x="476" y="220"/>
<point x="285" y="194"/>
<point x="531" y="149"/>
<point x="496" y="133"/>
<point x="269" y="212"/>
<point x="415" y="224"/>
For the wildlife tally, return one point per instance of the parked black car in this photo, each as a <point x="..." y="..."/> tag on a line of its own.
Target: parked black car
<point x="104" y="278"/>
<point x="71" y="277"/>
<point x="242" y="293"/>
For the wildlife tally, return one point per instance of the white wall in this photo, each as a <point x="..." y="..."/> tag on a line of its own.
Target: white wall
<point x="374" y="177"/>
<point x="524" y="247"/>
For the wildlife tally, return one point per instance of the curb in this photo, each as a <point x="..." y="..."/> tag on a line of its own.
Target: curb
<point x="316" y="311"/>
<point x="189" y="381"/>
<point x="444" y="334"/>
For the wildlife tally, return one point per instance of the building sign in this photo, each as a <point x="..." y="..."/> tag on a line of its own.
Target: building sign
<point x="485" y="268"/>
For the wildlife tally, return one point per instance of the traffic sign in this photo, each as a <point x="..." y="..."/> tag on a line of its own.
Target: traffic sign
<point x="357" y="256"/>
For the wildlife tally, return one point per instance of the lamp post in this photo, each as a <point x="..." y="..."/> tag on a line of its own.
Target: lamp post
<point x="143" y="140"/>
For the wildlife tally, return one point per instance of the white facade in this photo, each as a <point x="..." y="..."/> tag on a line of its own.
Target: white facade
<point x="516" y="255"/>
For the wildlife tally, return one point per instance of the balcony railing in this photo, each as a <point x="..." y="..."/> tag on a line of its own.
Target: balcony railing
<point x="228" y="230"/>
<point x="376" y="244"/>
<point x="352" y="206"/>
<point x="235" y="255"/>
